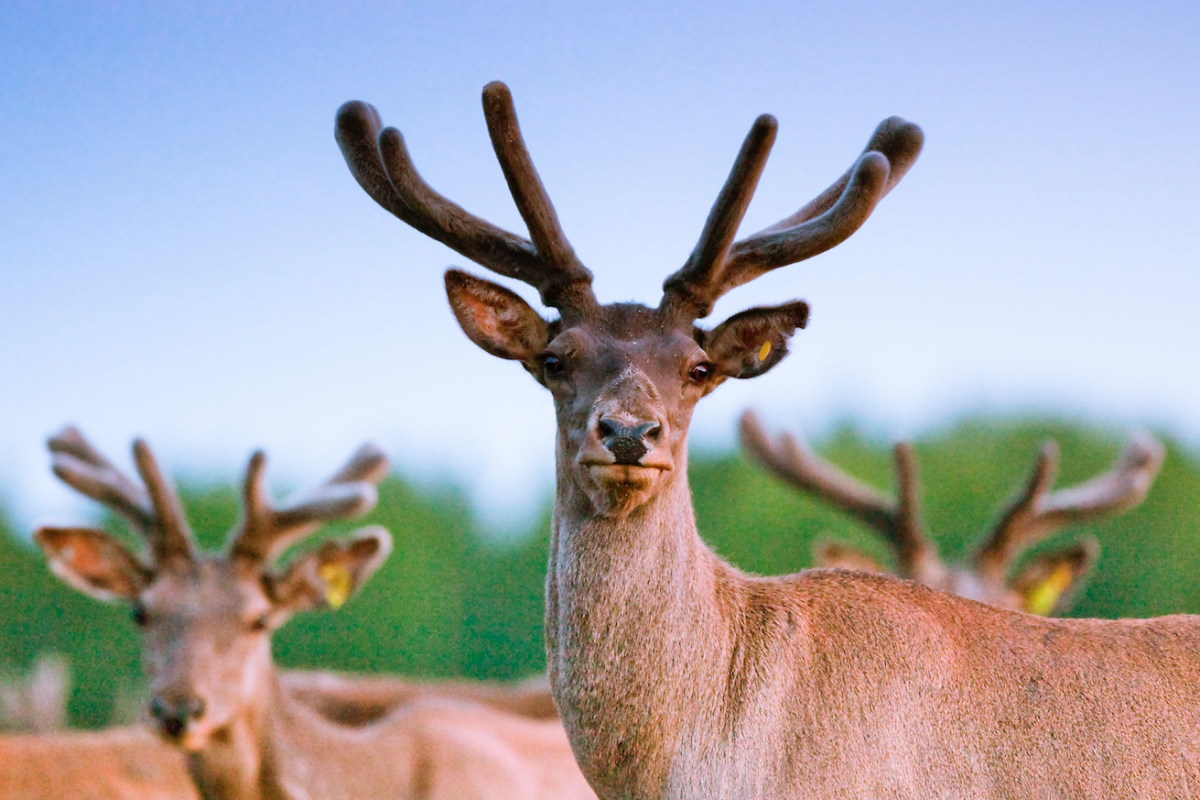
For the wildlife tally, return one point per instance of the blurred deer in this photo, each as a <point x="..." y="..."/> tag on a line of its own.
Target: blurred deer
<point x="36" y="702"/>
<point x="126" y="763"/>
<point x="1043" y="585"/>
<point x="206" y="622"/>
<point x="680" y="676"/>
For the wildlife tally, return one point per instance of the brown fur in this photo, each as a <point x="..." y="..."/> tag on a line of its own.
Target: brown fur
<point x="114" y="764"/>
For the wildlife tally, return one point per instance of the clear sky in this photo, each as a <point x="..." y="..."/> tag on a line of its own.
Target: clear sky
<point x="186" y="257"/>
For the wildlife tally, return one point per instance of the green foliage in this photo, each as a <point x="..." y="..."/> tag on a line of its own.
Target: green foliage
<point x="455" y="600"/>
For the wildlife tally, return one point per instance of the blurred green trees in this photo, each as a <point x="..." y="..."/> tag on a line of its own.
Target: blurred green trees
<point x="455" y="599"/>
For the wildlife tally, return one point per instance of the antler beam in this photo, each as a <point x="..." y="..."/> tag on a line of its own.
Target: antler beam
<point x="380" y="163"/>
<point x="897" y="521"/>
<point x="154" y="512"/>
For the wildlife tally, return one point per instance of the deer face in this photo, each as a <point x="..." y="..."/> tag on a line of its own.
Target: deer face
<point x="205" y="646"/>
<point x="625" y="378"/>
<point x="206" y="620"/>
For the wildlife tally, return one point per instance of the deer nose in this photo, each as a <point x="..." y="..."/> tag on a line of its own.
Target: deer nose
<point x="174" y="717"/>
<point x="627" y="443"/>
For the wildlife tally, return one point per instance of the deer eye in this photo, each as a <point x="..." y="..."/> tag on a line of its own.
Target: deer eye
<point x="701" y="372"/>
<point x="138" y="614"/>
<point x="552" y="365"/>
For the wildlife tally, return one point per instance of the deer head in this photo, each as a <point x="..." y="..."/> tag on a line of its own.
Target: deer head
<point x="625" y="377"/>
<point x="206" y="619"/>
<point x="1044" y="584"/>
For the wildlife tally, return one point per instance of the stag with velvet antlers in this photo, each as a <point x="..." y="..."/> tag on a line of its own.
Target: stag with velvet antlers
<point x="680" y="676"/>
<point x="1044" y="584"/>
<point x="206" y="622"/>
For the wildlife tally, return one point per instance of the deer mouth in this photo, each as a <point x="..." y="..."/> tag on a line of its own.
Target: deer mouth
<point x="634" y="476"/>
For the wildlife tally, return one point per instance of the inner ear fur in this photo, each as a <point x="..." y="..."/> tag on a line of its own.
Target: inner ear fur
<point x="750" y="343"/>
<point x="93" y="562"/>
<point x="495" y="318"/>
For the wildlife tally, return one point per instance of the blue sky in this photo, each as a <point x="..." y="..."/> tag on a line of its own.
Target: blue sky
<point x="186" y="257"/>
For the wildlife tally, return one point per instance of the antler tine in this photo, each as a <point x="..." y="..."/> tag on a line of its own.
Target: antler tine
<point x="265" y="531"/>
<point x="529" y="194"/>
<point x="898" y="522"/>
<point x="79" y="465"/>
<point x="1037" y="512"/>
<point x="831" y="217"/>
<point x="170" y="537"/>
<point x="693" y="285"/>
<point x="380" y="162"/>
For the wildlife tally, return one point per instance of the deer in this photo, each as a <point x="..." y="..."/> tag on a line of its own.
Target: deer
<point x="1042" y="585"/>
<point x="207" y="619"/>
<point x="678" y="675"/>
<point x="117" y="763"/>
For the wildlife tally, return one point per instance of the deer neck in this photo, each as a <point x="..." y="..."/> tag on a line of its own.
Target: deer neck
<point x="237" y="759"/>
<point x="637" y="632"/>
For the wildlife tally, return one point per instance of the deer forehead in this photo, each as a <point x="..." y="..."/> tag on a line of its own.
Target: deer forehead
<point x="207" y="588"/>
<point x="614" y="345"/>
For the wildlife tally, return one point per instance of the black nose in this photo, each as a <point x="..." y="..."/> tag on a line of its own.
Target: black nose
<point x="627" y="443"/>
<point x="174" y="717"/>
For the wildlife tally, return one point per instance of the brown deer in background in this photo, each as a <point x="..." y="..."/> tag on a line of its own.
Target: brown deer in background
<point x="1044" y="585"/>
<point x="126" y="763"/>
<point x="680" y="676"/>
<point x="206" y="621"/>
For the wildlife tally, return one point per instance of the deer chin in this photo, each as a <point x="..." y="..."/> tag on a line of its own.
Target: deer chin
<point x="194" y="739"/>
<point x="618" y="489"/>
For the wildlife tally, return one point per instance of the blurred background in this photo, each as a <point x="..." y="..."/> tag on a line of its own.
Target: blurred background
<point x="186" y="257"/>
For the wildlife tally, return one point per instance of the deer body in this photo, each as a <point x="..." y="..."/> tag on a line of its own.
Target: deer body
<point x="677" y="676"/>
<point x="127" y="763"/>
<point x="831" y="683"/>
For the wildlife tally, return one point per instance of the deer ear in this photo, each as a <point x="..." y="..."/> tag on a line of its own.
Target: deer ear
<point x="748" y="344"/>
<point x="330" y="575"/>
<point x="842" y="556"/>
<point x="1047" y="582"/>
<point x="93" y="562"/>
<point x="495" y="318"/>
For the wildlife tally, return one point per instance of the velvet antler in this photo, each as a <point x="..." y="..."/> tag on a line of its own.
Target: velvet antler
<point x="716" y="266"/>
<point x="266" y="531"/>
<point x="154" y="511"/>
<point x="380" y="163"/>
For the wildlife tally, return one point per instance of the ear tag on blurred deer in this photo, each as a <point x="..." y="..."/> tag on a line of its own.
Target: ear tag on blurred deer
<point x="338" y="583"/>
<point x="764" y="351"/>
<point x="1042" y="598"/>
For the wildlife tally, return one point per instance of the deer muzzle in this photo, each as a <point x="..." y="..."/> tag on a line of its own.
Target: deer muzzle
<point x="176" y="714"/>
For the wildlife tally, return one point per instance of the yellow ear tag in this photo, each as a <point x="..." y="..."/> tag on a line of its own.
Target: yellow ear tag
<point x="339" y="581"/>
<point x="1042" y="598"/>
<point x="764" y="351"/>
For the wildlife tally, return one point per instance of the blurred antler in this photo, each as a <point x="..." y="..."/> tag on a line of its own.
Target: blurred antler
<point x="898" y="521"/>
<point x="716" y="266"/>
<point x="266" y="531"/>
<point x="154" y="511"/>
<point x="1037" y="512"/>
